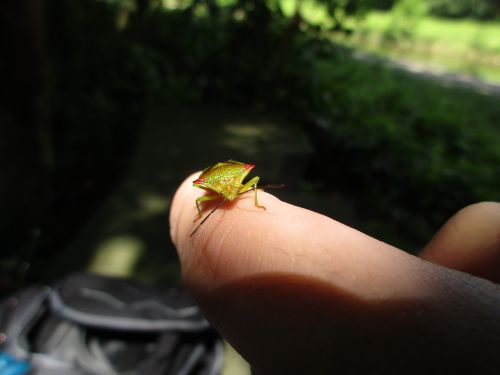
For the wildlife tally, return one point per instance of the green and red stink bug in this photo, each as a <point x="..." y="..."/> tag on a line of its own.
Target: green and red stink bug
<point x="225" y="180"/>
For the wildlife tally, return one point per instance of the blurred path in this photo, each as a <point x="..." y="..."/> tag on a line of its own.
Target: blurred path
<point x="128" y="235"/>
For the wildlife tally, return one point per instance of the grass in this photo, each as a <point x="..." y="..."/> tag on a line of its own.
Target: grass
<point x="459" y="46"/>
<point x="460" y="35"/>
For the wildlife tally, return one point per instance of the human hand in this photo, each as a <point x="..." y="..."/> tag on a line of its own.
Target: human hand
<point x="296" y="292"/>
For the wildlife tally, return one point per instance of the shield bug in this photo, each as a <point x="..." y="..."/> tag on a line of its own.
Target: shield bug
<point x="225" y="181"/>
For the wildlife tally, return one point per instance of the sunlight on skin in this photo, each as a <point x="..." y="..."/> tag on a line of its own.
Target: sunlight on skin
<point x="117" y="256"/>
<point x="289" y="283"/>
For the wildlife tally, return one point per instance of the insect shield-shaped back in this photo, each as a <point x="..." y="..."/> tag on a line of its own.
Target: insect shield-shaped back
<point x="226" y="181"/>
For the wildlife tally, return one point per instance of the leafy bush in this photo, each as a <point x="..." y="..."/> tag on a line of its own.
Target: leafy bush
<point x="405" y="18"/>
<point x="480" y="9"/>
<point x="407" y="149"/>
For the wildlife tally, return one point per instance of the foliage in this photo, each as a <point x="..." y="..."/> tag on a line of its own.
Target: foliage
<point x="416" y="151"/>
<point x="479" y="9"/>
<point x="407" y="149"/>
<point x="406" y="16"/>
<point x="460" y="46"/>
<point x="463" y="35"/>
<point x="476" y="9"/>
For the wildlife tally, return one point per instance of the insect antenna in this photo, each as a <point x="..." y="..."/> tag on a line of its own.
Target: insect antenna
<point x="206" y="217"/>
<point x="273" y="186"/>
<point x="277" y="186"/>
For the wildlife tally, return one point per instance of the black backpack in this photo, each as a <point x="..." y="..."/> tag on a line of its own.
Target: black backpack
<point x="93" y="325"/>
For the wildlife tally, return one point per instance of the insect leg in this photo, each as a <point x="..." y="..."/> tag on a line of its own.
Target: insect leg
<point x="204" y="198"/>
<point x="252" y="184"/>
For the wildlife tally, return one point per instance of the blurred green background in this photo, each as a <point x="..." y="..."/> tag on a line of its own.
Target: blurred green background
<point x="382" y="114"/>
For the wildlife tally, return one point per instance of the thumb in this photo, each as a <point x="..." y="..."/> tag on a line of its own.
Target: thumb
<point x="297" y="292"/>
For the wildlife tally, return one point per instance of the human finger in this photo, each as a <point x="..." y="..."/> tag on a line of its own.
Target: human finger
<point x="297" y="292"/>
<point x="469" y="241"/>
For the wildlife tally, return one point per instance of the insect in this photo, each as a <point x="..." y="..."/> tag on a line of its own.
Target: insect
<point x="225" y="179"/>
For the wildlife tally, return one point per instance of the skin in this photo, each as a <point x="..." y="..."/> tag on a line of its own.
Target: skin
<point x="296" y="292"/>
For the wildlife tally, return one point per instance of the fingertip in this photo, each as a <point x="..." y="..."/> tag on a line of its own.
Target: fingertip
<point x="240" y="240"/>
<point x="235" y="224"/>
<point x="181" y="202"/>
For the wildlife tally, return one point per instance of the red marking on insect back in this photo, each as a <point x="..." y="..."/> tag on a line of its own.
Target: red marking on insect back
<point x="198" y="181"/>
<point x="249" y="166"/>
